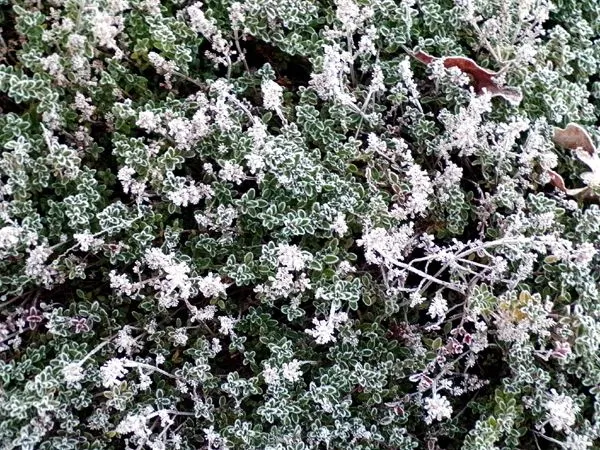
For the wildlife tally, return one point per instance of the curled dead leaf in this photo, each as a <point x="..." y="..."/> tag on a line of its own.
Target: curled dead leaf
<point x="559" y="183"/>
<point x="482" y="79"/>
<point x="574" y="136"/>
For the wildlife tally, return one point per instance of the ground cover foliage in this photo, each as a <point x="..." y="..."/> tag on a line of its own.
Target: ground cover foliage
<point x="299" y="224"/>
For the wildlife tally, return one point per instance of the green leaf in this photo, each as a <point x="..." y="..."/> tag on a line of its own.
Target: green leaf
<point x="330" y="259"/>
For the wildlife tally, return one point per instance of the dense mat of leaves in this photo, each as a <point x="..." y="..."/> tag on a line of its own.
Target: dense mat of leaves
<point x="299" y="224"/>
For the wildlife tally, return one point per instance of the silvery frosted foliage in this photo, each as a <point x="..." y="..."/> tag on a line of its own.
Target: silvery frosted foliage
<point x="298" y="224"/>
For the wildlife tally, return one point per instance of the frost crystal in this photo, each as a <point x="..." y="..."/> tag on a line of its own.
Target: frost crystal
<point x="112" y="372"/>
<point x="561" y="411"/>
<point x="438" y="408"/>
<point x="72" y="373"/>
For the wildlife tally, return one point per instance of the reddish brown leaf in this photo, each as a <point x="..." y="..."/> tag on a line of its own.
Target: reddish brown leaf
<point x="424" y="57"/>
<point x="481" y="78"/>
<point x="557" y="181"/>
<point x="574" y="136"/>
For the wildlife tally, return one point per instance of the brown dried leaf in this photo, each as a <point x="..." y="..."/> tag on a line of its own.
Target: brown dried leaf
<point x="424" y="57"/>
<point x="557" y="181"/>
<point x="574" y="136"/>
<point x="481" y="78"/>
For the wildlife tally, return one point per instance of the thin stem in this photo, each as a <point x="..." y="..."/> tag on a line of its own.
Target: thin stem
<point x="487" y="43"/>
<point x="428" y="277"/>
<point x="12" y="300"/>
<point x="480" y="247"/>
<point x="548" y="438"/>
<point x="239" y="49"/>
<point x="3" y="45"/>
<point x="169" y="411"/>
<point x="350" y="48"/>
<point x="191" y="80"/>
<point x="130" y="363"/>
<point x="95" y="350"/>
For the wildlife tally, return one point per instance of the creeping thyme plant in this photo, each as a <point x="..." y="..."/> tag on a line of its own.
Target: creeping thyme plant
<point x="299" y="224"/>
